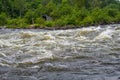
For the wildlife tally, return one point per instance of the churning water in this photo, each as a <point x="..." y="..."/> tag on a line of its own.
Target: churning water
<point x="91" y="53"/>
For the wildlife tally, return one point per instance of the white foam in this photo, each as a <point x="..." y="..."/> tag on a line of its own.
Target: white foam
<point x="5" y="43"/>
<point x="27" y="34"/>
<point x="107" y="34"/>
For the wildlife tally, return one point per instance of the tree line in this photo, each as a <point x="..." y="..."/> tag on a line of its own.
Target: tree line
<point x="57" y="13"/>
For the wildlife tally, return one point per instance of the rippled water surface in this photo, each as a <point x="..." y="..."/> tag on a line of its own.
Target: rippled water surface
<point x="91" y="53"/>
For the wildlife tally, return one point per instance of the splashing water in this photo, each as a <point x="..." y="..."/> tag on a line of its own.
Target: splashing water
<point x="91" y="53"/>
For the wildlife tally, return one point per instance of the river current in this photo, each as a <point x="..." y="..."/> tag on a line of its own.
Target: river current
<point x="91" y="53"/>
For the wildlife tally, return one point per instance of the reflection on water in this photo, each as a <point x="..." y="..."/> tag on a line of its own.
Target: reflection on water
<point x="91" y="53"/>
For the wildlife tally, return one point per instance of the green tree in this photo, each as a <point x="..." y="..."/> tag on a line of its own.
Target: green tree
<point x="50" y="7"/>
<point x="100" y="16"/>
<point x="63" y="12"/>
<point x="3" y="19"/>
<point x="29" y="16"/>
<point x="79" y="3"/>
<point x="20" y="6"/>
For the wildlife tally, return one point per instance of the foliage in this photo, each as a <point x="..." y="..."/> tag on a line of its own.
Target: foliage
<point x="21" y="13"/>
<point x="17" y="23"/>
<point x="40" y="21"/>
<point x="30" y="17"/>
<point x="87" y="21"/>
<point x="3" y="19"/>
<point x="117" y="18"/>
<point x="100" y="16"/>
<point x="49" y="23"/>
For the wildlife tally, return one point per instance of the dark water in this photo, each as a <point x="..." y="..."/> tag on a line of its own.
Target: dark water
<point x="91" y="53"/>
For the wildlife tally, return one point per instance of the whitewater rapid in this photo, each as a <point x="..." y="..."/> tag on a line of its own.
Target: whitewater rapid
<point x="91" y="53"/>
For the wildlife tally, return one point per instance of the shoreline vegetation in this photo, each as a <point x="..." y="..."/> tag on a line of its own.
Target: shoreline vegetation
<point x="62" y="27"/>
<point x="66" y="27"/>
<point x="58" y="14"/>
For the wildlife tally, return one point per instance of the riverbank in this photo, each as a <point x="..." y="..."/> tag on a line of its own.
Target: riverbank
<point x="72" y="27"/>
<point x="57" y="27"/>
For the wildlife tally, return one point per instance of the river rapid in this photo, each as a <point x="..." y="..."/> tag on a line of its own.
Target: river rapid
<point x="91" y="53"/>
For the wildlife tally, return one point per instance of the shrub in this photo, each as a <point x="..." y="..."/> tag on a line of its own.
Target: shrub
<point x="70" y="19"/>
<point x="60" y="22"/>
<point x="87" y="21"/>
<point x="40" y="21"/>
<point x="117" y="18"/>
<point x="17" y="23"/>
<point x="30" y="17"/>
<point x="49" y="23"/>
<point x="3" y="19"/>
<point x="100" y="16"/>
<point x="112" y="12"/>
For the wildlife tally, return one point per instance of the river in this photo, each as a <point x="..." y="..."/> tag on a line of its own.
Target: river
<point x="91" y="53"/>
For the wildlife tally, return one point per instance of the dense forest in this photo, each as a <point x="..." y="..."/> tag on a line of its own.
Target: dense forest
<point x="58" y="13"/>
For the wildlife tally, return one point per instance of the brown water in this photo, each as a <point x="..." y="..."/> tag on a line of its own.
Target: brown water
<point x="91" y="53"/>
